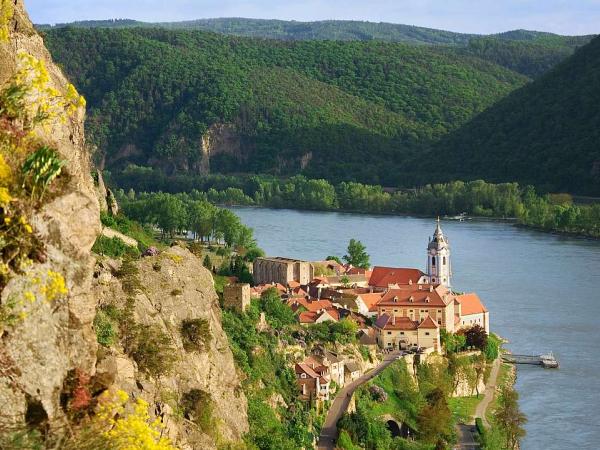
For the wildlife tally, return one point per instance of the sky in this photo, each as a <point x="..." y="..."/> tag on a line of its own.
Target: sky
<point x="572" y="17"/>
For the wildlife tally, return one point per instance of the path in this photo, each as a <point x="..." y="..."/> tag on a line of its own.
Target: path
<point x="466" y="437"/>
<point x="329" y="431"/>
<point x="490" y="391"/>
<point x="467" y="432"/>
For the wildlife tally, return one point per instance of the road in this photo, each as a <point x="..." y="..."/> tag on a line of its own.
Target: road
<point x="466" y="437"/>
<point x="329" y="433"/>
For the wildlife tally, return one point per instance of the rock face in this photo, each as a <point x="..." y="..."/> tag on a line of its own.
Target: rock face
<point x="220" y="139"/>
<point x="54" y="338"/>
<point x="174" y="288"/>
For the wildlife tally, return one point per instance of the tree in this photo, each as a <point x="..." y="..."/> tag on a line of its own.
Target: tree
<point x="435" y="419"/>
<point x="357" y="255"/>
<point x="476" y="337"/>
<point x="334" y="258"/>
<point x="509" y="417"/>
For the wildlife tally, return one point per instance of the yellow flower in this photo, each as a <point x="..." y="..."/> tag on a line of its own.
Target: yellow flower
<point x="7" y="220"/>
<point x="55" y="286"/>
<point x="5" y="172"/>
<point x="28" y="228"/>
<point x="5" y="197"/>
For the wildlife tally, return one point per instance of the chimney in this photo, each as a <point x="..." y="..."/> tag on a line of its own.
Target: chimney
<point x="410" y="282"/>
<point x="394" y="319"/>
<point x="420" y="287"/>
<point x="430" y="288"/>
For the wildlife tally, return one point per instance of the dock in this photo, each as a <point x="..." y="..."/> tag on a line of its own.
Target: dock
<point x="547" y="361"/>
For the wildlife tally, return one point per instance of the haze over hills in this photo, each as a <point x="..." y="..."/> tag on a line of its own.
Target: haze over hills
<point x="546" y="133"/>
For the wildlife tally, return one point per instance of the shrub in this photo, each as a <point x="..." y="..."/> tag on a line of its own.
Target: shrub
<point x="105" y="329"/>
<point x="195" y="334"/>
<point x="114" y="247"/>
<point x="207" y="262"/>
<point x="176" y="292"/>
<point x="198" y="407"/>
<point x="40" y="169"/>
<point x="480" y="427"/>
<point x="128" y="273"/>
<point x="152" y="350"/>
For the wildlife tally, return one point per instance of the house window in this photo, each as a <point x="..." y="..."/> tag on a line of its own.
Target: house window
<point x="303" y="375"/>
<point x="389" y="332"/>
<point x="402" y="333"/>
<point x="427" y="333"/>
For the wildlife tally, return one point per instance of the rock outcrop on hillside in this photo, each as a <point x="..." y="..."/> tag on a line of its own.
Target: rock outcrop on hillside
<point x="173" y="288"/>
<point x="54" y="338"/>
<point x="52" y="342"/>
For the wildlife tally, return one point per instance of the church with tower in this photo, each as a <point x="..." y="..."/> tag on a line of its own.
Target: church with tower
<point x="415" y="305"/>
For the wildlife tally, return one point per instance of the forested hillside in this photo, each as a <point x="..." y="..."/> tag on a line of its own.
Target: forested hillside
<point x="324" y="107"/>
<point x="530" y="53"/>
<point x="547" y="133"/>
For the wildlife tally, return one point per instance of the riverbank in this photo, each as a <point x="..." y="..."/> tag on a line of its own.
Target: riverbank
<point x="475" y="200"/>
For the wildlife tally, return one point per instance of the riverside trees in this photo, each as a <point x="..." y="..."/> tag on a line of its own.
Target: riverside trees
<point x="191" y="212"/>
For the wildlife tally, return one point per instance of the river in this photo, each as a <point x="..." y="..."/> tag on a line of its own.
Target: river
<point x="542" y="290"/>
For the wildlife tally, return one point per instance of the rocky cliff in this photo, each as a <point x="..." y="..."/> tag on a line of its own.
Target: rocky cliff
<point x="54" y="338"/>
<point x="50" y="302"/>
<point x="168" y="293"/>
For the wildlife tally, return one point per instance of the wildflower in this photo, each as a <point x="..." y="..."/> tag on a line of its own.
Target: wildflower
<point x="54" y="287"/>
<point x="5" y="172"/>
<point x="7" y="220"/>
<point x="5" y="197"/>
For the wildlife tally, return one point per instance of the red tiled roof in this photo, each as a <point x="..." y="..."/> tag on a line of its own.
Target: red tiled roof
<point x="403" y="297"/>
<point x="371" y="300"/>
<point x="307" y="317"/>
<point x="470" y="304"/>
<point x="305" y="368"/>
<point x="428" y="323"/>
<point x="293" y="284"/>
<point x="385" y="276"/>
<point x="386" y="322"/>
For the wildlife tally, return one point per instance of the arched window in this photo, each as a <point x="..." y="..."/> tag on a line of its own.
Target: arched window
<point x="444" y="260"/>
<point x="433" y="261"/>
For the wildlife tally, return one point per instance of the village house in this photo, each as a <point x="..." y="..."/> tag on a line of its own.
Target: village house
<point x="311" y="385"/>
<point x="351" y="371"/>
<point x="384" y="278"/>
<point x="471" y="311"/>
<point x="333" y="361"/>
<point x="418" y="302"/>
<point x="402" y="333"/>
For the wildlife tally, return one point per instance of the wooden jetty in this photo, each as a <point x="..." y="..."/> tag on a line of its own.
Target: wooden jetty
<point x="547" y="361"/>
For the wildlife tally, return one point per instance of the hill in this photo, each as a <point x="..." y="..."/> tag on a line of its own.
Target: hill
<point x="530" y="53"/>
<point x="189" y="100"/>
<point x="545" y="133"/>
